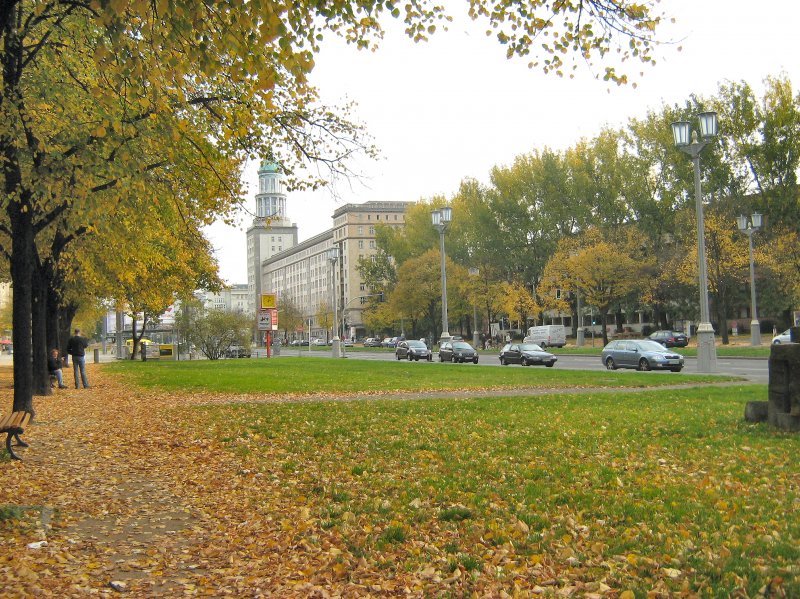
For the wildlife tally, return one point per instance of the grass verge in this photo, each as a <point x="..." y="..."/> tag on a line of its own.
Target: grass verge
<point x="291" y="375"/>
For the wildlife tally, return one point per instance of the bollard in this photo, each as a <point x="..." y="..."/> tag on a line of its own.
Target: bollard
<point x="96" y="356"/>
<point x="143" y="351"/>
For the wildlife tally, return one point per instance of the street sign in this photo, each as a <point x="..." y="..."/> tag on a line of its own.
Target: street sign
<point x="274" y="313"/>
<point x="264" y="320"/>
<point x="268" y="300"/>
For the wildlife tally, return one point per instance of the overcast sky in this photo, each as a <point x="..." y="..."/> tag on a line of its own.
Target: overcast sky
<point x="455" y="107"/>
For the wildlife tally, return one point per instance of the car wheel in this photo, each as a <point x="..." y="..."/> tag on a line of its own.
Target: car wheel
<point x="524" y="361"/>
<point x="441" y="357"/>
<point x="550" y="364"/>
<point x="503" y="361"/>
<point x="410" y="357"/>
<point x="416" y="358"/>
<point x="610" y="364"/>
<point x="430" y="358"/>
<point x="675" y="369"/>
<point x="776" y="342"/>
<point x="396" y="355"/>
<point x="644" y="365"/>
<point x="475" y="361"/>
<point x="543" y="345"/>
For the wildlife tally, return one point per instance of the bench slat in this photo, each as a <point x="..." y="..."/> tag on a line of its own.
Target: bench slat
<point x="14" y="421"/>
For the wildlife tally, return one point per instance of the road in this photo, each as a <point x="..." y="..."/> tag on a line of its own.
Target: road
<point x="754" y="369"/>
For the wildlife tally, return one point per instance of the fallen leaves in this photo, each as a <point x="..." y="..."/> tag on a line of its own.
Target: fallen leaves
<point x="148" y="493"/>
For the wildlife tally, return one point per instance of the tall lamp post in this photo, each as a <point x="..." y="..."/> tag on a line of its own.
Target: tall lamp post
<point x="333" y="258"/>
<point x="441" y="219"/>
<point x="749" y="226"/>
<point x="706" y="345"/>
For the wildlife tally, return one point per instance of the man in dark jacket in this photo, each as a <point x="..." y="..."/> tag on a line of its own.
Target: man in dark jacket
<point x="54" y="368"/>
<point x="76" y="347"/>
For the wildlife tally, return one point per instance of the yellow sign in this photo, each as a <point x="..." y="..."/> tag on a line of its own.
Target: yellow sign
<point x="268" y="300"/>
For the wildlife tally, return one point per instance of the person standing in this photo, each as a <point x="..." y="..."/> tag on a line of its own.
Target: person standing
<point x="54" y="368"/>
<point x="76" y="347"/>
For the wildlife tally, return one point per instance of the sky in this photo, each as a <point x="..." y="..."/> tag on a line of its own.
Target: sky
<point x="455" y="107"/>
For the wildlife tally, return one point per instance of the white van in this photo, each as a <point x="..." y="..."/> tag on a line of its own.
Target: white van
<point x="549" y="335"/>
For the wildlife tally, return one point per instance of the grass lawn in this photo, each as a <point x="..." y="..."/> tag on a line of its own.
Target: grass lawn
<point x="666" y="492"/>
<point x="293" y="375"/>
<point x="660" y="492"/>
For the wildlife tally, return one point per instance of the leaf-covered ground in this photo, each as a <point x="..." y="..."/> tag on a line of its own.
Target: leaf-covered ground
<point x="621" y="494"/>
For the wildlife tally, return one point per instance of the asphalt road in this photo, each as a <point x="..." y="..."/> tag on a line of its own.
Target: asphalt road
<point x="754" y="369"/>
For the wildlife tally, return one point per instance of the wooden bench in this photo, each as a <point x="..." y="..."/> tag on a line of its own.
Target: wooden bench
<point x="14" y="426"/>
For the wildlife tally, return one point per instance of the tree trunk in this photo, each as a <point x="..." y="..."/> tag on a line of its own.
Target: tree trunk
<point x="604" y="320"/>
<point x="21" y="268"/>
<point x="41" y="379"/>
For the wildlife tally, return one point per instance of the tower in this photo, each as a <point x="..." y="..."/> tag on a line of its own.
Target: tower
<point x="271" y="231"/>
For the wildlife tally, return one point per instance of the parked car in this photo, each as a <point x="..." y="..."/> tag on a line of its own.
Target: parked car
<point x="412" y="350"/>
<point x="526" y="354"/>
<point x="784" y="337"/>
<point x="389" y="342"/>
<point x="642" y="354"/>
<point x="670" y="338"/>
<point x="457" y="351"/>
<point x="319" y="342"/>
<point x="372" y="342"/>
<point x="237" y="351"/>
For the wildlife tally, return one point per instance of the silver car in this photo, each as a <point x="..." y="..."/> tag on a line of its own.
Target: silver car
<point x="641" y="354"/>
<point x="784" y="337"/>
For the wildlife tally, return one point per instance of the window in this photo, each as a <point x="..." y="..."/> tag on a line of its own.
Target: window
<point x="372" y="244"/>
<point x="361" y="244"/>
<point x="372" y="230"/>
<point x="360" y="230"/>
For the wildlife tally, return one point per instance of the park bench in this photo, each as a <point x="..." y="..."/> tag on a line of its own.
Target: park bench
<point x="14" y="426"/>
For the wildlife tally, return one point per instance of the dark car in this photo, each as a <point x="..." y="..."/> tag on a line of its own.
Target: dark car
<point x="670" y="338"/>
<point x="412" y="350"/>
<point x="526" y="354"/>
<point x="457" y="351"/>
<point x="642" y="354"/>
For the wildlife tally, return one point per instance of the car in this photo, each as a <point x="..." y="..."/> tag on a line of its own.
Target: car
<point x="389" y="342"/>
<point x="412" y="350"/>
<point x="784" y="337"/>
<point x="237" y="351"/>
<point x="372" y="342"/>
<point x="319" y="342"/>
<point x="642" y="354"/>
<point x="457" y="351"/>
<point x="670" y="338"/>
<point x="526" y="354"/>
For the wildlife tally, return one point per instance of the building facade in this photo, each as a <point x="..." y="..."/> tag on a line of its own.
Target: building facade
<point x="305" y="276"/>
<point x="235" y="298"/>
<point x="271" y="232"/>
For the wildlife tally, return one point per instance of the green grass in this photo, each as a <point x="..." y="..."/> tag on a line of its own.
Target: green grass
<point x="292" y="375"/>
<point x="669" y="490"/>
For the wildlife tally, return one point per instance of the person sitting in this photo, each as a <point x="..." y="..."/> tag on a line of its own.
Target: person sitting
<point x="54" y="369"/>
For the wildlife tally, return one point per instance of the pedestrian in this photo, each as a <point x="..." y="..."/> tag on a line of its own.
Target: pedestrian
<point x="76" y="347"/>
<point x="54" y="368"/>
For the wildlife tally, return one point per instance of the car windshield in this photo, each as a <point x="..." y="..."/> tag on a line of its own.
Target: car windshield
<point x="650" y="346"/>
<point x="461" y="345"/>
<point x="530" y="347"/>
<point x="416" y="344"/>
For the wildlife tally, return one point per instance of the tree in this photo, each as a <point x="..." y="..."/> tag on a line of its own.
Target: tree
<point x="518" y="303"/>
<point x="600" y="271"/>
<point x="214" y="332"/>
<point x="91" y="88"/>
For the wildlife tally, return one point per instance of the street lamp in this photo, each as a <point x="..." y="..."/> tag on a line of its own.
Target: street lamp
<point x="333" y="258"/>
<point x="474" y="272"/>
<point x="441" y="218"/>
<point x="706" y="345"/>
<point x="750" y="226"/>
